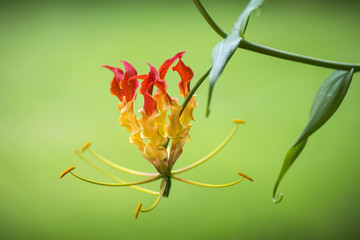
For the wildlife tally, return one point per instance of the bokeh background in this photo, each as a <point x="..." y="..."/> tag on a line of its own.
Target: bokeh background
<point x="55" y="97"/>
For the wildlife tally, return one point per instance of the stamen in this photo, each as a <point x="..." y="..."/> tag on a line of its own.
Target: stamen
<point x="115" y="184"/>
<point x="207" y="185"/>
<point x="138" y="208"/>
<point x="213" y="152"/>
<point x="86" y="145"/>
<point x="238" y="121"/>
<point x="121" y="168"/>
<point x="245" y="176"/>
<point x="113" y="177"/>
<point x="66" y="171"/>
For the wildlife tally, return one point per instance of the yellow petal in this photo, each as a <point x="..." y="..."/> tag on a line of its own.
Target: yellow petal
<point x="175" y="129"/>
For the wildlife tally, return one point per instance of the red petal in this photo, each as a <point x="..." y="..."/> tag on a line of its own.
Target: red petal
<point x="147" y="89"/>
<point x="186" y="74"/>
<point x="129" y="84"/>
<point x="115" y="83"/>
<point x="166" y="65"/>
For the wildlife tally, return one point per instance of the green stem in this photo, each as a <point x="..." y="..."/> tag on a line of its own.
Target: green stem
<point x="274" y="52"/>
<point x="209" y="20"/>
<point x="296" y="57"/>
<point x="193" y="90"/>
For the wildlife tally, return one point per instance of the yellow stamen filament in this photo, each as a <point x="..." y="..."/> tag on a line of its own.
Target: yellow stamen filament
<point x="121" y="168"/>
<point x="67" y="171"/>
<point x="213" y="152"/>
<point x="138" y="208"/>
<point x="207" y="185"/>
<point x="245" y="176"/>
<point x="115" y="184"/>
<point x="86" y="145"/>
<point x="113" y="177"/>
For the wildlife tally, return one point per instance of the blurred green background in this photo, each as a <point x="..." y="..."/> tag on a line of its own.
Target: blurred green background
<point x="55" y="97"/>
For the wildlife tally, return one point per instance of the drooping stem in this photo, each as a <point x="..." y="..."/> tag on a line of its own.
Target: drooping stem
<point x="209" y="20"/>
<point x="296" y="57"/>
<point x="275" y="52"/>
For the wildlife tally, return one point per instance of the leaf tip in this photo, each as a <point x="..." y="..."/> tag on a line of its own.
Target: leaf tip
<point x="207" y="112"/>
<point x="278" y="198"/>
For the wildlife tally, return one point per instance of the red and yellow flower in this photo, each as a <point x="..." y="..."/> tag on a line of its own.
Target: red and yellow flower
<point x="160" y="122"/>
<point x="162" y="128"/>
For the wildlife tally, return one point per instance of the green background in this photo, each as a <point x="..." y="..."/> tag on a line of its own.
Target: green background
<point x="55" y="97"/>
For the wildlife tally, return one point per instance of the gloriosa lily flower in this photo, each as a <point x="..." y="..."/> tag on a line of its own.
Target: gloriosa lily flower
<point x="160" y="137"/>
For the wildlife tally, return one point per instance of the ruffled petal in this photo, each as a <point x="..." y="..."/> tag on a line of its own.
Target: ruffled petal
<point x="187" y="115"/>
<point x="154" y="148"/>
<point x="166" y="65"/>
<point x="115" y="83"/>
<point x="129" y="121"/>
<point x="146" y="90"/>
<point x="186" y="74"/>
<point x="174" y="129"/>
<point x="163" y="104"/>
<point x="128" y="83"/>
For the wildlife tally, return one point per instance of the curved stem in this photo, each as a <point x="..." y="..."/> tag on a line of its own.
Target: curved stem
<point x="209" y="20"/>
<point x="275" y="52"/>
<point x="193" y="90"/>
<point x="296" y="57"/>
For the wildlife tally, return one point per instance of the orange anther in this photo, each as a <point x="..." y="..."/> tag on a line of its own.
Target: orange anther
<point x="86" y="145"/>
<point x="245" y="176"/>
<point x="238" y="121"/>
<point x="137" y="210"/>
<point x="67" y="171"/>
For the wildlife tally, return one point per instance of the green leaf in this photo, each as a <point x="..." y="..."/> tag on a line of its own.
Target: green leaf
<point x="290" y="158"/>
<point x="241" y="23"/>
<point x="327" y="101"/>
<point x="220" y="56"/>
<point x="223" y="51"/>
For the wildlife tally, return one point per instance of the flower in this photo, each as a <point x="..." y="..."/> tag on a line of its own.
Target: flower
<point x="154" y="130"/>
<point x="162" y="128"/>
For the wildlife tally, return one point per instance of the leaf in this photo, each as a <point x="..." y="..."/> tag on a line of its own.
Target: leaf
<point x="223" y="51"/>
<point x="220" y="56"/>
<point x="327" y="101"/>
<point x="241" y="23"/>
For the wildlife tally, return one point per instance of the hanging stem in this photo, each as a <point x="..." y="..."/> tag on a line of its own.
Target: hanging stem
<point x="275" y="52"/>
<point x="209" y="20"/>
<point x="296" y="57"/>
